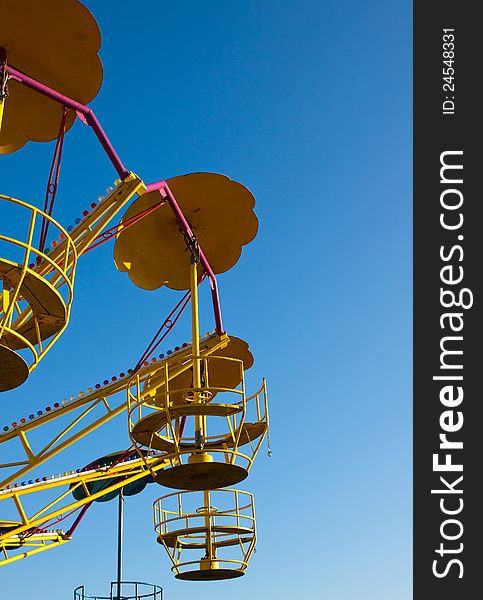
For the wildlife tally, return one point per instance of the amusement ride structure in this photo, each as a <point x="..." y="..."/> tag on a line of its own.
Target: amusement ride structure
<point x="194" y="426"/>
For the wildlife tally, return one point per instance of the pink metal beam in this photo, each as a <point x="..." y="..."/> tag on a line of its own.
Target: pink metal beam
<point x="183" y="223"/>
<point x="91" y="119"/>
<point x="80" y="109"/>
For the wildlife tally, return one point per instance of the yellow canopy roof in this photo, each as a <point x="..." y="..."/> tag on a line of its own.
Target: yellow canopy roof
<point x="56" y="42"/>
<point x="218" y="210"/>
<point x="223" y="374"/>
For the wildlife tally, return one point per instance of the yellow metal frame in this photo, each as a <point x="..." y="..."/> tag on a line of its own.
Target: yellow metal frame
<point x="185" y="449"/>
<point x="206" y="529"/>
<point x="225" y="445"/>
<point x="57" y="268"/>
<point x="92" y="225"/>
<point x="83" y="407"/>
<point x="28" y="546"/>
<point x="64" y="502"/>
<point x="24" y="539"/>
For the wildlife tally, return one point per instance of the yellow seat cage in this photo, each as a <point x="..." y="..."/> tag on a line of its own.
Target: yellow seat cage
<point x="209" y="435"/>
<point x="37" y="289"/>
<point x="208" y="535"/>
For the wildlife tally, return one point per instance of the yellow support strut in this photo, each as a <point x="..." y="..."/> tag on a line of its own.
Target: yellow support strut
<point x="2" y="104"/>
<point x="199" y="432"/>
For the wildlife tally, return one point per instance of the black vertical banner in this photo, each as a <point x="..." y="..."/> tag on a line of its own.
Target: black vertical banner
<point x="448" y="301"/>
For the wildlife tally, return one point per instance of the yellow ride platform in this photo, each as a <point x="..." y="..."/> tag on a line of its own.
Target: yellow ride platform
<point x="48" y="310"/>
<point x="201" y="472"/>
<point x="57" y="45"/>
<point x="13" y="369"/>
<point x="197" y="476"/>
<point x="178" y="536"/>
<point x="220" y="214"/>
<point x="145" y="431"/>
<point x="209" y="571"/>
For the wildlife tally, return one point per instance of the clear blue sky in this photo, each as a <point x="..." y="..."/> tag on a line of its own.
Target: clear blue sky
<point x="308" y="104"/>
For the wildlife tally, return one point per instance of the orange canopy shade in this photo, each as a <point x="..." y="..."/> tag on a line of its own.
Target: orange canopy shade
<point x="56" y="42"/>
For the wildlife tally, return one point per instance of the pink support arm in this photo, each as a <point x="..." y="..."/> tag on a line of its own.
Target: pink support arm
<point x="92" y="121"/>
<point x="79" y="108"/>
<point x="183" y="223"/>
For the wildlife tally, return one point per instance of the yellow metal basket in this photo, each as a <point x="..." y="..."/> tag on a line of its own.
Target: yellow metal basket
<point x="208" y="535"/>
<point x="164" y="415"/>
<point x="37" y="289"/>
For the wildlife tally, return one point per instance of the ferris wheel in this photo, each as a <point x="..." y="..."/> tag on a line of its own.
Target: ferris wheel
<point x="195" y="423"/>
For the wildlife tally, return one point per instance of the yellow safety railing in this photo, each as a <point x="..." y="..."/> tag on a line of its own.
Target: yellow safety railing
<point x="158" y="414"/>
<point x="223" y="537"/>
<point x="53" y="273"/>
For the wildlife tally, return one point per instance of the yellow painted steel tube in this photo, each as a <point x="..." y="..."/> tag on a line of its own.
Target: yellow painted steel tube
<point x="43" y="516"/>
<point x="196" y="345"/>
<point x="209" y="544"/>
<point x="41" y="548"/>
